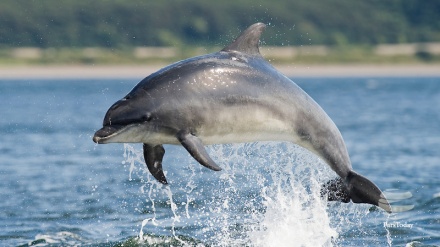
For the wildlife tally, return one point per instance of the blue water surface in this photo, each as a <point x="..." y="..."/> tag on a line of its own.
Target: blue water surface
<point x="58" y="188"/>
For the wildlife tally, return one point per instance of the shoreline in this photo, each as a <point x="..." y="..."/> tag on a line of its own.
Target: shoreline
<point x="141" y="71"/>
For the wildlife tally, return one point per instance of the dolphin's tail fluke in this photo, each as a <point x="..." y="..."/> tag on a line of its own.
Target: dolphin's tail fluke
<point x="356" y="188"/>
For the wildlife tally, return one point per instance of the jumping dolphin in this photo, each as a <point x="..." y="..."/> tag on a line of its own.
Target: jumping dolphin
<point x="231" y="96"/>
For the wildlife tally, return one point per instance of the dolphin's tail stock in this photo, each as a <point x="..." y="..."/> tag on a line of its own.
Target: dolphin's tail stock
<point x="356" y="188"/>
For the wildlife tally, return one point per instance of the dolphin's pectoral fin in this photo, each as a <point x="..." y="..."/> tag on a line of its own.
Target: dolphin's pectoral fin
<point x="356" y="188"/>
<point x="195" y="147"/>
<point x="153" y="156"/>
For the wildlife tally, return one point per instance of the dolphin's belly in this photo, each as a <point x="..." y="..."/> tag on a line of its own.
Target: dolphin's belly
<point x="243" y="138"/>
<point x="245" y="125"/>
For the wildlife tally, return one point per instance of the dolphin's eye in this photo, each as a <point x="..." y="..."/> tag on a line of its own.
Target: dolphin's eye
<point x="147" y="117"/>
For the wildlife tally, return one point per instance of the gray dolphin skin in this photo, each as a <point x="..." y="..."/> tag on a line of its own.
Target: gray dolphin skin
<point x="231" y="96"/>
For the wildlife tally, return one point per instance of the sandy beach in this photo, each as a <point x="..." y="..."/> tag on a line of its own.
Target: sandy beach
<point x="141" y="71"/>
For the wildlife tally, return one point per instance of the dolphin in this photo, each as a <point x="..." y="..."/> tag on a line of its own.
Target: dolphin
<point x="231" y="96"/>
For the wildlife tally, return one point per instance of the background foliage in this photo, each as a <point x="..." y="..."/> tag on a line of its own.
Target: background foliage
<point x="121" y="23"/>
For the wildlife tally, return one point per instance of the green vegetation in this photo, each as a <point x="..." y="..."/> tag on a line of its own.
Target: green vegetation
<point x="119" y="23"/>
<point x="63" y="30"/>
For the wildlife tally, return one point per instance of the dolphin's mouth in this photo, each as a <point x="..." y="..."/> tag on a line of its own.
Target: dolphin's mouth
<point x="107" y="132"/>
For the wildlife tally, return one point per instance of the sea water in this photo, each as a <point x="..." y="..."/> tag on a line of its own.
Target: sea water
<point x="58" y="188"/>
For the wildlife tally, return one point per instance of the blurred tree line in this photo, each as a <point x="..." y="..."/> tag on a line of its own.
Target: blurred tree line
<point x="121" y="23"/>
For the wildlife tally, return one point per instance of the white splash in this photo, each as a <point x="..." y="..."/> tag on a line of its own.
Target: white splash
<point x="289" y="187"/>
<point x="268" y="194"/>
<point x="294" y="216"/>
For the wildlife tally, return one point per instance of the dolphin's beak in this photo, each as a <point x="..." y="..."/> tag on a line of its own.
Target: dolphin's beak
<point x="96" y="138"/>
<point x="106" y="132"/>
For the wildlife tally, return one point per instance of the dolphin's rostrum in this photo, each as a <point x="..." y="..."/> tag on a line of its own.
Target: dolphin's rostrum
<point x="231" y="96"/>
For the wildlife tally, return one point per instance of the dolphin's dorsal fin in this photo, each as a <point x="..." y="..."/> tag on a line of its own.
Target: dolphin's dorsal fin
<point x="248" y="40"/>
